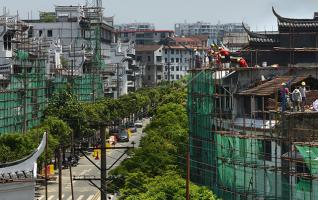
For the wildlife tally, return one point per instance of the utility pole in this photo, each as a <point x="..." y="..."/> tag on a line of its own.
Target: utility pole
<point x="60" y="171"/>
<point x="117" y="86"/>
<point x="45" y="163"/>
<point x="156" y="75"/>
<point x="103" y="176"/>
<point x="70" y="165"/>
<point x="188" y="173"/>
<point x="169" y="59"/>
<point x="71" y="175"/>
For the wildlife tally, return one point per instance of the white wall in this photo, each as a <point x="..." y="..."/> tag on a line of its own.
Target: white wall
<point x="17" y="190"/>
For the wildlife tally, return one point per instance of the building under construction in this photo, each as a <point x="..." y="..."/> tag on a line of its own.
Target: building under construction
<point x="61" y="50"/>
<point x="243" y="145"/>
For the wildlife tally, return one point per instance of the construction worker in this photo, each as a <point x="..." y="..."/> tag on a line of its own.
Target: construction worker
<point x="242" y="62"/>
<point x="210" y="56"/>
<point x="296" y="98"/>
<point x="197" y="59"/>
<point x="284" y="92"/>
<point x="225" y="56"/>
<point x="302" y="90"/>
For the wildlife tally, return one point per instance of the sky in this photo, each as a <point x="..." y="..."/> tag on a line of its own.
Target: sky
<point x="165" y="13"/>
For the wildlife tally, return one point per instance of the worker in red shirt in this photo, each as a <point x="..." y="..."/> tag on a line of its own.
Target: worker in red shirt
<point x="242" y="62"/>
<point x="225" y="56"/>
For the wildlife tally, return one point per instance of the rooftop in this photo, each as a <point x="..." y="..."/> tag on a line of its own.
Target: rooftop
<point x="270" y="87"/>
<point x="145" y="31"/>
<point x="147" y="47"/>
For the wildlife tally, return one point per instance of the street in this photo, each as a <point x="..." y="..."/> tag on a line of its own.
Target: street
<point x="83" y="190"/>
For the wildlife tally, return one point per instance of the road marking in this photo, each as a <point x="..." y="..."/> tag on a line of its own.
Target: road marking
<point x="50" y="197"/>
<point x="80" y="197"/>
<point x="40" y="198"/>
<point x="90" y="197"/>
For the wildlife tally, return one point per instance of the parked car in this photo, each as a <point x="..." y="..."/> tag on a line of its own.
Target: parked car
<point x="138" y="124"/>
<point x="123" y="136"/>
<point x="132" y="127"/>
<point x="113" y="130"/>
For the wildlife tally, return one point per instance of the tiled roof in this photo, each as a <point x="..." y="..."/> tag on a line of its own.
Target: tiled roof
<point x="295" y="23"/>
<point x="260" y="38"/>
<point x="270" y="87"/>
<point x="147" y="47"/>
<point x="263" y="40"/>
<point x="313" y="24"/>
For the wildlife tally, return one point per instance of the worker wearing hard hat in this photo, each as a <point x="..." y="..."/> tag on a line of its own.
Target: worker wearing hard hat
<point x="197" y="58"/>
<point x="225" y="56"/>
<point x="284" y="94"/>
<point x="302" y="90"/>
<point x="242" y="62"/>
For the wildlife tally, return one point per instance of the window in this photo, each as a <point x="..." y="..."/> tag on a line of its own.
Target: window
<point x="140" y="35"/>
<point x="266" y="150"/>
<point x="172" y="76"/>
<point x="177" y="60"/>
<point x="148" y="68"/>
<point x="149" y="58"/>
<point x="172" y="60"/>
<point x="172" y="68"/>
<point x="125" y="34"/>
<point x="139" y="58"/>
<point x="166" y="51"/>
<point x="177" y="51"/>
<point x="149" y="78"/>
<point x="166" y="60"/>
<point x="177" y="77"/>
<point x="7" y="42"/>
<point x="177" y="68"/>
<point x="159" y="58"/>
<point x="40" y="33"/>
<point x="49" y="33"/>
<point x="30" y="32"/>
<point x="172" y="51"/>
<point x="166" y="68"/>
<point x="159" y="77"/>
<point x="166" y="77"/>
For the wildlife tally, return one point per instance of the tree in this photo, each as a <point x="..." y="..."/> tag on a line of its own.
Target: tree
<point x="168" y="186"/>
<point x="65" y="106"/>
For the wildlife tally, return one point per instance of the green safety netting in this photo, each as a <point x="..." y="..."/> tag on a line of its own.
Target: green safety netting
<point x="310" y="156"/>
<point x="23" y="99"/>
<point x="238" y="167"/>
<point x="22" y="55"/>
<point x="85" y="87"/>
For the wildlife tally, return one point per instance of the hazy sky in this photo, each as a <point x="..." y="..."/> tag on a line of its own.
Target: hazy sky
<point x="164" y="13"/>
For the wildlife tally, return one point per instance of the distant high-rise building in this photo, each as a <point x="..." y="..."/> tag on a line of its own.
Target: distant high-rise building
<point x="215" y="32"/>
<point x="135" y="26"/>
<point x="144" y="37"/>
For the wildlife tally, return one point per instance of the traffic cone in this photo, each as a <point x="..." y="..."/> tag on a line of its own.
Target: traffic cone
<point x="97" y="157"/>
